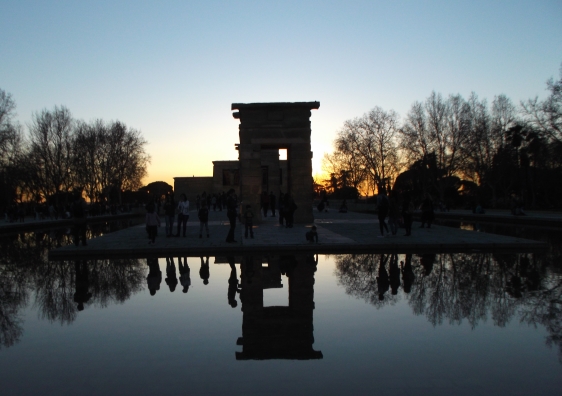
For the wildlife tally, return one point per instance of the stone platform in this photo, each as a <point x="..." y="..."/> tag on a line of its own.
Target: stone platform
<point x="337" y="232"/>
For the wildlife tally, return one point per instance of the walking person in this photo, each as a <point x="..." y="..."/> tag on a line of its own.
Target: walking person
<point x="183" y="215"/>
<point x="203" y="215"/>
<point x="231" y="212"/>
<point x="169" y="214"/>
<point x="248" y="221"/>
<point x="152" y="222"/>
<point x="382" y="206"/>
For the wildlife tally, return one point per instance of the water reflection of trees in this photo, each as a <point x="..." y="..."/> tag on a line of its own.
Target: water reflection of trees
<point x="57" y="289"/>
<point x="458" y="287"/>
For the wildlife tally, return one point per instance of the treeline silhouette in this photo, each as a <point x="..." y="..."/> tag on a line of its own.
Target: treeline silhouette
<point x="57" y="154"/>
<point x="461" y="151"/>
<point x="461" y="287"/>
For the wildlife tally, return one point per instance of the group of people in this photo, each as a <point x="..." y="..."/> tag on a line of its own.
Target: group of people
<point x="285" y="207"/>
<point x="170" y="209"/>
<point x="388" y="206"/>
<point x="154" y="278"/>
<point x="390" y="279"/>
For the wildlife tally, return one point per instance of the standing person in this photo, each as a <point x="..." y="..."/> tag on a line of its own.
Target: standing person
<point x="407" y="213"/>
<point x="185" y="273"/>
<point x="169" y="214"/>
<point x="382" y="206"/>
<point x="393" y="213"/>
<point x="154" y="277"/>
<point x="203" y="215"/>
<point x="231" y="212"/>
<point x="272" y="203"/>
<point x="152" y="222"/>
<point x="248" y="221"/>
<point x="204" y="272"/>
<point x="79" y="215"/>
<point x="232" y="283"/>
<point x="82" y="294"/>
<point x="264" y="203"/>
<point x="383" y="281"/>
<point x="407" y="273"/>
<point x="427" y="214"/>
<point x="198" y="202"/>
<point x="290" y="208"/>
<point x="171" y="276"/>
<point x="394" y="274"/>
<point x="219" y="201"/>
<point x="183" y="215"/>
<point x="214" y="202"/>
<point x="281" y="208"/>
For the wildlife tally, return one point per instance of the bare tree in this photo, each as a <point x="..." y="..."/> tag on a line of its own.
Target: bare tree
<point x="372" y="140"/>
<point x="89" y="148"/>
<point x="11" y="139"/>
<point x="126" y="160"/>
<point x="546" y="116"/>
<point x="50" y="155"/>
<point x="415" y="142"/>
<point x="347" y="165"/>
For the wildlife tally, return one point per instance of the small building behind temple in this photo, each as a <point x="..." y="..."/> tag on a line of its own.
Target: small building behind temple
<point x="264" y="130"/>
<point x="226" y="175"/>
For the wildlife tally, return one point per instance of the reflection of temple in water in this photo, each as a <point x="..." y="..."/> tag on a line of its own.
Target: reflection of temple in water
<point x="277" y="332"/>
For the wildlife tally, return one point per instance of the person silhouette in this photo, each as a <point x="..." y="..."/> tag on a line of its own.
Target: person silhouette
<point x="171" y="277"/>
<point x="204" y="272"/>
<point x="82" y="295"/>
<point x="232" y="283"/>
<point x="154" y="277"/>
<point x="383" y="282"/>
<point x="407" y="273"/>
<point x="185" y="272"/>
<point x="394" y="274"/>
<point x="231" y="212"/>
<point x="427" y="261"/>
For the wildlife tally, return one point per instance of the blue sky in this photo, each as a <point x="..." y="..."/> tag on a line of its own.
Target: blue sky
<point x="172" y="68"/>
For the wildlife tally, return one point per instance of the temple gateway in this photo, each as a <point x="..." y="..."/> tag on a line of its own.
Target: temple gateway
<point x="265" y="128"/>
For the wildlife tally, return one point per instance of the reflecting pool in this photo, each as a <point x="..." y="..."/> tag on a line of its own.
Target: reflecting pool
<point x="284" y="323"/>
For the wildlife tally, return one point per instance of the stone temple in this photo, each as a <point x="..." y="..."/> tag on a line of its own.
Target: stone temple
<point x="265" y="128"/>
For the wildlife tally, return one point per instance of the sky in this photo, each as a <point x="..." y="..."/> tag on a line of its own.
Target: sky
<point x="172" y="69"/>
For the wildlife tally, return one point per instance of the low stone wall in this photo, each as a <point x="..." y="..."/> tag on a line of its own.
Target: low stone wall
<point x="352" y="205"/>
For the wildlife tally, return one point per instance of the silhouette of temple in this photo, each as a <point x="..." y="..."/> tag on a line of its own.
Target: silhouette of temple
<point x="264" y="129"/>
<point x="277" y="332"/>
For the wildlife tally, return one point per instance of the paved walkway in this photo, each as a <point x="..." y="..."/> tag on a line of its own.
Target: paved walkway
<point x="338" y="233"/>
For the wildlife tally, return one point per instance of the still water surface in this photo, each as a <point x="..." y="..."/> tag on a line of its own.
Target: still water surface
<point x="347" y="324"/>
